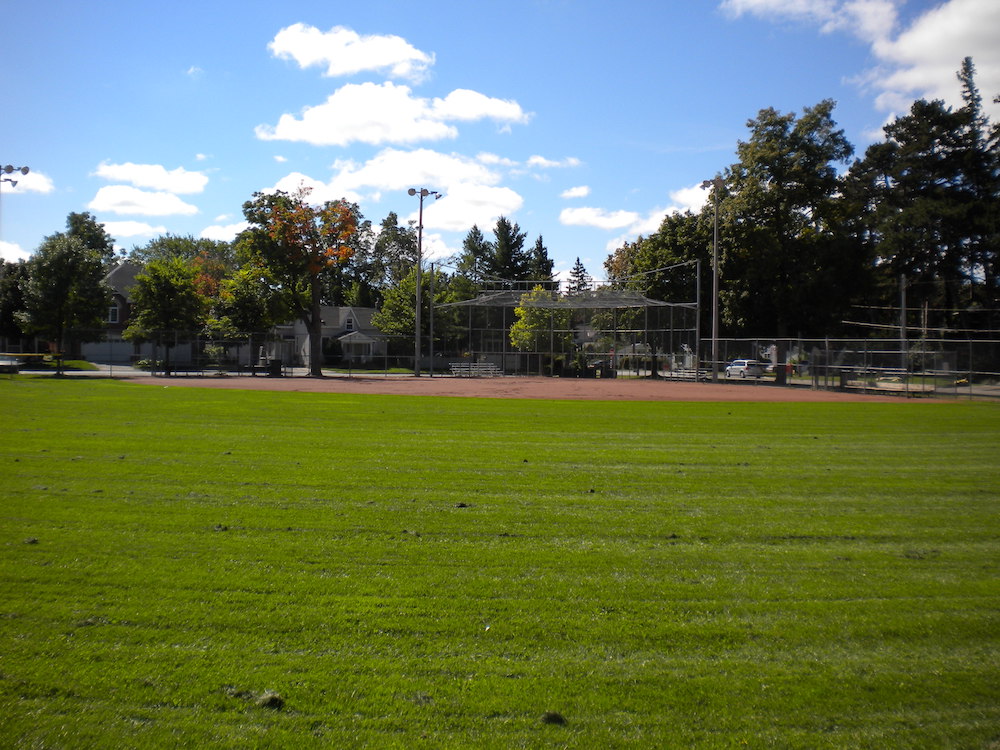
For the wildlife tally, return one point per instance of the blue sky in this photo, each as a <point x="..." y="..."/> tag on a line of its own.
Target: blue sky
<point x="585" y="122"/>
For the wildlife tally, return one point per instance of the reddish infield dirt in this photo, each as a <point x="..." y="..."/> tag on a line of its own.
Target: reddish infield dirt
<point x="524" y="387"/>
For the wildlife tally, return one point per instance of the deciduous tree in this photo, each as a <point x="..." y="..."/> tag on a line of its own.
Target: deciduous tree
<point x="12" y="276"/>
<point x="165" y="302"/>
<point x="85" y="227"/>
<point x="779" y="235"/>
<point x="539" y="323"/>
<point x="298" y="243"/>
<point x="65" y="298"/>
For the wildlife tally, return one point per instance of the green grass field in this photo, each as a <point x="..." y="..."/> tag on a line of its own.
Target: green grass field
<point x="204" y="568"/>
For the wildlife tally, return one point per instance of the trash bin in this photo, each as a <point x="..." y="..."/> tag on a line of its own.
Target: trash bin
<point x="274" y="368"/>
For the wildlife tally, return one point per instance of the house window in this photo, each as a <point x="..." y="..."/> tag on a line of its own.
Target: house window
<point x="349" y="325"/>
<point x="113" y="314"/>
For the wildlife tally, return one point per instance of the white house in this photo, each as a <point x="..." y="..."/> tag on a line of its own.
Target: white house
<point x="348" y="337"/>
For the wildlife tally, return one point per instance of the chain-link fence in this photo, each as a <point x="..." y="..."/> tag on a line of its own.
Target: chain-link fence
<point x="912" y="367"/>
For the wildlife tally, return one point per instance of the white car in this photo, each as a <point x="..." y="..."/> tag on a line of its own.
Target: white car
<point x="744" y="368"/>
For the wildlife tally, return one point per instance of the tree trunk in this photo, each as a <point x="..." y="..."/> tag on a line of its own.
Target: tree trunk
<point x="781" y="355"/>
<point x="315" y="326"/>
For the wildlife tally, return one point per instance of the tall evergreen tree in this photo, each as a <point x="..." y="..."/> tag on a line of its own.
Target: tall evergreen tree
<point x="473" y="259"/>
<point x="541" y="266"/>
<point x="508" y="262"/>
<point x="579" y="280"/>
<point x="981" y="148"/>
<point x="927" y="197"/>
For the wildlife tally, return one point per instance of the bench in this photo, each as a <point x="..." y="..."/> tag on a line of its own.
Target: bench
<point x="474" y="369"/>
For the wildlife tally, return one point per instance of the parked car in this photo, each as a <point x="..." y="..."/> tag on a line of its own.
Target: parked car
<point x="744" y="368"/>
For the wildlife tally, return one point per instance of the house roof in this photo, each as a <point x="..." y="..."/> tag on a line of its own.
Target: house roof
<point x="356" y="337"/>
<point x="121" y="278"/>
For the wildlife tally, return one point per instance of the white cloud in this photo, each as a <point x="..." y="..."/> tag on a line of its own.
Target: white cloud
<point x="12" y="253"/>
<point x="280" y="159"/>
<point x="597" y="217"/>
<point x="543" y="163"/>
<point x="869" y="20"/>
<point x="472" y="194"/>
<point x="33" y="182"/>
<point x="468" y="106"/>
<point x="122" y="199"/>
<point x="319" y="191"/>
<point x="919" y="61"/>
<point x="815" y="11"/>
<point x="118" y="229"/>
<point x="386" y="113"/>
<point x="689" y="199"/>
<point x="154" y="176"/>
<point x="223" y="232"/>
<point x="344" y="52"/>
<point x="923" y="59"/>
<point x="580" y="191"/>
<point x="466" y="204"/>
<point x="393" y="170"/>
<point x="495" y="160"/>
<point x="434" y="246"/>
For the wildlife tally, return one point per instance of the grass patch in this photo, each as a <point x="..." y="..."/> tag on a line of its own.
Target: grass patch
<point x="48" y="365"/>
<point x="231" y="569"/>
<point x="370" y="370"/>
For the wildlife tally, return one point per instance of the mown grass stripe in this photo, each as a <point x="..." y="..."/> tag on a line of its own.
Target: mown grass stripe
<point x="404" y="570"/>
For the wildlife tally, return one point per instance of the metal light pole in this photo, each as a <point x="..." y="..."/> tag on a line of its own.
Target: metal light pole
<point x="716" y="183"/>
<point x="423" y="193"/>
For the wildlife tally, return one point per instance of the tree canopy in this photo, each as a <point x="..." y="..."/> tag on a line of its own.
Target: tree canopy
<point x="64" y="295"/>
<point x="297" y="243"/>
<point x="165" y="302"/>
<point x="804" y="240"/>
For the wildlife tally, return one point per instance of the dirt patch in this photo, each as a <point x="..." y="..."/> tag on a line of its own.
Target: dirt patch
<point x="525" y="388"/>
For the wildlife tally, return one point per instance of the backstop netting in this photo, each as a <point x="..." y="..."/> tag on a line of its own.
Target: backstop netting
<point x="599" y="332"/>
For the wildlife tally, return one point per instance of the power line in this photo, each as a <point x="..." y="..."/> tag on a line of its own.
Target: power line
<point x="917" y="308"/>
<point x="918" y="329"/>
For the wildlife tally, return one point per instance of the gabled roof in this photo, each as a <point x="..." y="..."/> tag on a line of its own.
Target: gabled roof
<point x="356" y="337"/>
<point x="121" y="278"/>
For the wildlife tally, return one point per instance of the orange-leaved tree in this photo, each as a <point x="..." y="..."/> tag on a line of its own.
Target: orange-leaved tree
<point x="297" y="243"/>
